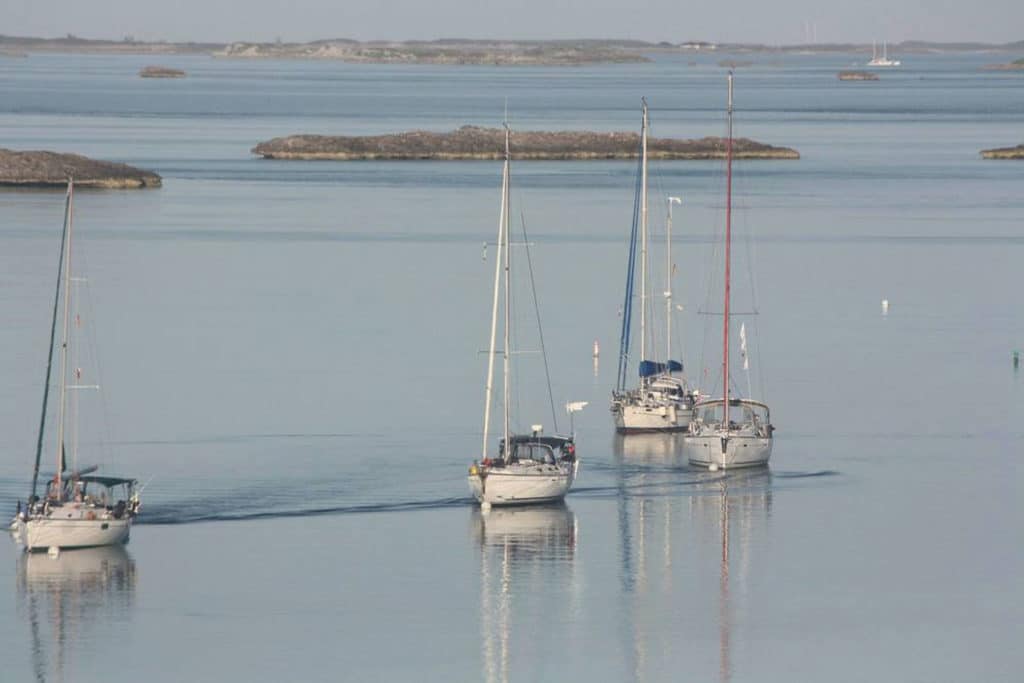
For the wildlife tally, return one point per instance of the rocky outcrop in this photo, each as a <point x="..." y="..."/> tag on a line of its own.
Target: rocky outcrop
<point x="471" y="142"/>
<point x="455" y="52"/>
<point x="1004" y="153"/>
<point x="161" y="72"/>
<point x="1016" y="65"/>
<point x="50" y="169"/>
<point x="857" y="76"/>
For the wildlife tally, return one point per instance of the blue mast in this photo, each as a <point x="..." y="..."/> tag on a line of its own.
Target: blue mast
<point x="627" y="306"/>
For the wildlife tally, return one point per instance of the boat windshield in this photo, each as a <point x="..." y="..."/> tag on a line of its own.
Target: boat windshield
<point x="740" y="412"/>
<point x="537" y="452"/>
<point x="103" y="491"/>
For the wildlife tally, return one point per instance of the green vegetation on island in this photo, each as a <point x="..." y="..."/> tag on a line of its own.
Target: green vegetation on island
<point x="50" y="169"/>
<point x="473" y="142"/>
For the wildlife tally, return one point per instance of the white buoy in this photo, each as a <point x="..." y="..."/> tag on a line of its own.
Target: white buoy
<point x="597" y="349"/>
<point x="713" y="467"/>
<point x="885" y="307"/>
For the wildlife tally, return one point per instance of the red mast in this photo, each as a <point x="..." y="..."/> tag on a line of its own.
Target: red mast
<point x="728" y="259"/>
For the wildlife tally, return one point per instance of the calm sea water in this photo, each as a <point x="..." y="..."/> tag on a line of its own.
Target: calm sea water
<point x="289" y="355"/>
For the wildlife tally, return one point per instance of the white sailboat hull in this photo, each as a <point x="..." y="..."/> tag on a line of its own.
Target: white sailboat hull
<point x="727" y="451"/>
<point x="651" y="418"/>
<point x="523" y="486"/>
<point x="42" y="533"/>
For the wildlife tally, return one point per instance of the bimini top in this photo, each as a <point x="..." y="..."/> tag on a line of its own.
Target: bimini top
<point x="109" y="482"/>
<point x="554" y="441"/>
<point x="650" y="367"/>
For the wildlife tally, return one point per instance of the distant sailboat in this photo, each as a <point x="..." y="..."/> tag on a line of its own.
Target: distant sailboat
<point x="79" y="509"/>
<point x="662" y="401"/>
<point x="528" y="468"/>
<point x="882" y="60"/>
<point x="729" y="431"/>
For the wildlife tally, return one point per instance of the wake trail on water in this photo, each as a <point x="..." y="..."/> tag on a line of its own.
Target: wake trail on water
<point x="225" y="511"/>
<point x="805" y="475"/>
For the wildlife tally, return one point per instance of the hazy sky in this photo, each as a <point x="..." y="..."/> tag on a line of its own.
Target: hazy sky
<point x="767" y="21"/>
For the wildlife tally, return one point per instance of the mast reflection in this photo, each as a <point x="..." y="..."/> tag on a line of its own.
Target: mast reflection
<point x="647" y="480"/>
<point x="69" y="599"/>
<point x="673" y="521"/>
<point x="737" y="502"/>
<point x="526" y="554"/>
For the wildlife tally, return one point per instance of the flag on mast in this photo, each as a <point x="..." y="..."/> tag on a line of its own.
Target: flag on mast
<point x="743" y="346"/>
<point x="576" y="406"/>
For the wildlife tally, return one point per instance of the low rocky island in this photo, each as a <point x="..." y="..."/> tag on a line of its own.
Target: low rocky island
<point x="1016" y="65"/>
<point x="544" y="53"/>
<point x="50" y="169"/>
<point x="857" y="76"/>
<point x="1004" y="152"/>
<point x="161" y="72"/>
<point x="472" y="142"/>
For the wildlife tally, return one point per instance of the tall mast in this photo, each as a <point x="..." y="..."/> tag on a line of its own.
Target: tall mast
<point x="728" y="264"/>
<point x="53" y="334"/>
<point x="494" y="309"/>
<point x="668" y="279"/>
<point x="64" y="347"/>
<point x="643" y="232"/>
<point x="508" y="293"/>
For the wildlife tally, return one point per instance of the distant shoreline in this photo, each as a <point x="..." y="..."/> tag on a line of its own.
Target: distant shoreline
<point x="469" y="51"/>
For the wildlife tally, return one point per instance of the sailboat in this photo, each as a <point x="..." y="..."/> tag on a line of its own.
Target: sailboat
<point x="78" y="509"/>
<point x="884" y="59"/>
<point x="662" y="400"/>
<point x="528" y="468"/>
<point x="729" y="431"/>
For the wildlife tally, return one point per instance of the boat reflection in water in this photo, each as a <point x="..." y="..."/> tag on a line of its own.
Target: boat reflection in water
<point x="687" y="541"/>
<point x="740" y="501"/>
<point x="72" y="599"/>
<point x="527" y="559"/>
